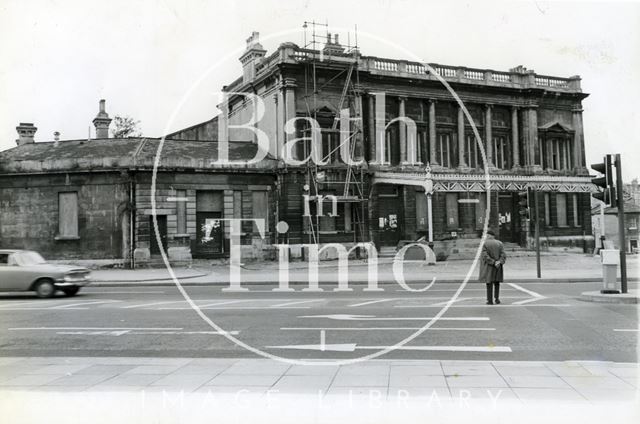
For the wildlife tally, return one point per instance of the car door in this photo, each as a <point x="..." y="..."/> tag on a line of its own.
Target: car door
<point x="14" y="276"/>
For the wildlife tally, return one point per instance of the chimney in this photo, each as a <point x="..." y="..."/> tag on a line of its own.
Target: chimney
<point x="102" y="121"/>
<point x="26" y="131"/>
<point x="251" y="57"/>
<point x="332" y="46"/>
<point x="56" y="136"/>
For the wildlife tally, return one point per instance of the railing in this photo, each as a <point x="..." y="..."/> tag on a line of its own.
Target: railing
<point x="518" y="77"/>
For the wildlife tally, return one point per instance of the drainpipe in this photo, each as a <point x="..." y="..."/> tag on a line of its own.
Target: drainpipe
<point x="132" y="219"/>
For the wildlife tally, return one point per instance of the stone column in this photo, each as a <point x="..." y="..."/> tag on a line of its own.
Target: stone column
<point x="578" y="139"/>
<point x="530" y="137"/>
<point x="432" y="133"/>
<point x="515" y="142"/>
<point x="371" y="99"/>
<point x="402" y="128"/>
<point x="488" y="136"/>
<point x="289" y="107"/>
<point x="461" y="141"/>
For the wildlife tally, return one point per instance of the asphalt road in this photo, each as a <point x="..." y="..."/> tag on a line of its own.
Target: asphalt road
<point x="540" y="321"/>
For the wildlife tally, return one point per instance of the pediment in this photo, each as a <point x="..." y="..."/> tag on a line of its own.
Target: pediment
<point x="555" y="126"/>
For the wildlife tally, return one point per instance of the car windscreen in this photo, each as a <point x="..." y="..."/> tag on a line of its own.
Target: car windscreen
<point x="29" y="258"/>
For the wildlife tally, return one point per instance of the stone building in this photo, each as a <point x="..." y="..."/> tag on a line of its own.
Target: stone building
<point x="435" y="163"/>
<point x="92" y="199"/>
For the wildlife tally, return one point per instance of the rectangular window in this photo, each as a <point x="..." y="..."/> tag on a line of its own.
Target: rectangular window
<point x="181" y="211"/>
<point x="68" y="214"/>
<point x="443" y="149"/>
<point x="547" y="210"/>
<point x="452" y="210"/>
<point x="260" y="203"/>
<point x="501" y="152"/>
<point x="561" y="209"/>
<point x="576" y="214"/>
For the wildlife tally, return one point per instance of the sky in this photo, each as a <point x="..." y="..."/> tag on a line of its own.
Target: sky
<point x="163" y="61"/>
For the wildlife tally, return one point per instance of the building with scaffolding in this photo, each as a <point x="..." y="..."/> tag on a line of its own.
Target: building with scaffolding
<point x="424" y="176"/>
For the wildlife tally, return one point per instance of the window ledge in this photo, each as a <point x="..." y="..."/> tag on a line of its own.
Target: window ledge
<point x="67" y="238"/>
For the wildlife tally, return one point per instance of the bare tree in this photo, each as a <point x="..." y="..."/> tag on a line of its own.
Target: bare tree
<point x="125" y="126"/>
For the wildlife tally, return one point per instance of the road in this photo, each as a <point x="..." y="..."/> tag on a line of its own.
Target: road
<point x="536" y="321"/>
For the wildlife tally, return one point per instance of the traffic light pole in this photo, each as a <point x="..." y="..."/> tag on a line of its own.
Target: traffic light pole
<point x="621" y="226"/>
<point x="537" y="232"/>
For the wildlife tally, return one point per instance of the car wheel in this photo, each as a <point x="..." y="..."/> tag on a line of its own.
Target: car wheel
<point x="45" y="288"/>
<point x="71" y="291"/>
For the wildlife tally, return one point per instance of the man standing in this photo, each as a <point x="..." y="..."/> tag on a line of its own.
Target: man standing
<point x="491" y="263"/>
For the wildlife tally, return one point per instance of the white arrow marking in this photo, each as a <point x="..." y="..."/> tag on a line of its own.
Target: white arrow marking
<point x="347" y="317"/>
<point x="350" y="347"/>
<point x="535" y="296"/>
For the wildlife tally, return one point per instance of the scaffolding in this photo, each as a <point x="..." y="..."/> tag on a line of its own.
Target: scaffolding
<point x="345" y="181"/>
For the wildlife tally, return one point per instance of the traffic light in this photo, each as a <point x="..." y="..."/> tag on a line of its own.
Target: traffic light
<point x="523" y="204"/>
<point x="605" y="182"/>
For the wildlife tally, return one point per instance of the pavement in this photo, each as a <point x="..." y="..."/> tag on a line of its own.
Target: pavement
<point x="259" y="390"/>
<point x="557" y="268"/>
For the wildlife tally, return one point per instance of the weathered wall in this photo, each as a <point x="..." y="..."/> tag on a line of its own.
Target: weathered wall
<point x="29" y="205"/>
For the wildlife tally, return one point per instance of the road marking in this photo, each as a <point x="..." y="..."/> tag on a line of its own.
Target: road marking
<point x="237" y="307"/>
<point x="347" y="317"/>
<point x="32" y="301"/>
<point x="488" y="306"/>
<point x="297" y="303"/>
<point x="536" y="296"/>
<point x="387" y="328"/>
<point x="228" y="302"/>
<point x="95" y="328"/>
<point x="460" y="299"/>
<point x="371" y="302"/>
<point x="142" y="305"/>
<point x="81" y="304"/>
<point x="322" y="340"/>
<point x="627" y="329"/>
<point x="123" y="292"/>
<point x="351" y="347"/>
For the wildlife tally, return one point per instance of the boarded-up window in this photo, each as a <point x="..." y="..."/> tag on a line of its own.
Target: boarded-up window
<point x="421" y="211"/>
<point x="576" y="215"/>
<point x="209" y="201"/>
<point x="68" y="214"/>
<point x="452" y="210"/>
<point x="237" y="204"/>
<point x="260" y="202"/>
<point x="347" y="217"/>
<point x="181" y="211"/>
<point x="561" y="209"/>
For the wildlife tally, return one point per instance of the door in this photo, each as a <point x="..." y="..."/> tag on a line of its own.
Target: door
<point x="209" y="235"/>
<point x="153" y="238"/>
<point x="506" y="220"/>
<point x="389" y="214"/>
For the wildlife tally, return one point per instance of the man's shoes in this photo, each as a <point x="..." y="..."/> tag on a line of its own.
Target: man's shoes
<point x="497" y="301"/>
<point x="489" y="302"/>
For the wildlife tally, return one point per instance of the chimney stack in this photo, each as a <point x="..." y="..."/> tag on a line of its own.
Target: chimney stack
<point x="102" y="121"/>
<point x="251" y="57"/>
<point x="26" y="131"/>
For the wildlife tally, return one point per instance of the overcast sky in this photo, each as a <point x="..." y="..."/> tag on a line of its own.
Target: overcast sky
<point x="58" y="58"/>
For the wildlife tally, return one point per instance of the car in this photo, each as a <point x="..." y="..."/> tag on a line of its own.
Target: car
<point x="26" y="270"/>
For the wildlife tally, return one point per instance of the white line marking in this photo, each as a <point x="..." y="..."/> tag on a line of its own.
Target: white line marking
<point x="237" y="307"/>
<point x="347" y="317"/>
<point x="522" y="289"/>
<point x="123" y="292"/>
<point x="30" y="302"/>
<point x="41" y="309"/>
<point x="487" y="306"/>
<point x="85" y="304"/>
<point x="387" y="328"/>
<point x="371" y="302"/>
<point x="460" y="299"/>
<point x="350" y="347"/>
<point x="297" y="302"/>
<point x="143" y="305"/>
<point x="227" y="302"/>
<point x="322" y="340"/>
<point x="524" y="302"/>
<point x="95" y="328"/>
<point x="627" y="329"/>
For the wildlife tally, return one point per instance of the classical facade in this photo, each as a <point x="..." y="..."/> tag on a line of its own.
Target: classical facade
<point x="423" y="166"/>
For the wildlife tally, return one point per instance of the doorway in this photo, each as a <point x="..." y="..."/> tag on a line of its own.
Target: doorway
<point x="506" y="218"/>
<point x="154" y="247"/>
